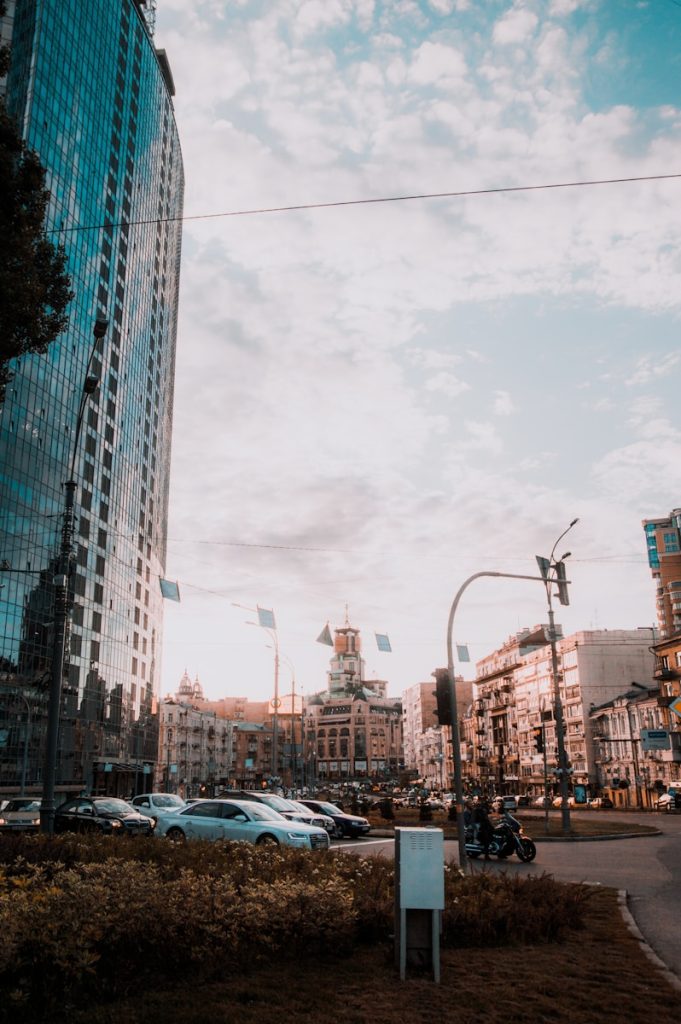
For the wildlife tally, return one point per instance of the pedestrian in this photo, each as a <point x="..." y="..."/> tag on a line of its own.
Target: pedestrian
<point x="484" y="826"/>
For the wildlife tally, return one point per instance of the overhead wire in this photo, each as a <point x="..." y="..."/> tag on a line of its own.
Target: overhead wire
<point x="456" y="194"/>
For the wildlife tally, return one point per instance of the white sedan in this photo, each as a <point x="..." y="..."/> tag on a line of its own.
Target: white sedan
<point x="153" y="804"/>
<point x="240" y="820"/>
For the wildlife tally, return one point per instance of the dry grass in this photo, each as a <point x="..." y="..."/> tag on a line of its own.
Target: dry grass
<point x="597" y="976"/>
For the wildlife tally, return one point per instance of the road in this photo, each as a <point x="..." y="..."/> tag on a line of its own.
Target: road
<point x="648" y="867"/>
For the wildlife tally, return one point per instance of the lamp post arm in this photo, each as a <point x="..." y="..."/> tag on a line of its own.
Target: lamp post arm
<point x="456" y="743"/>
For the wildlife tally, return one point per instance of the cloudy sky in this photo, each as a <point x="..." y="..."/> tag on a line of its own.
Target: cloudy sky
<point x="375" y="401"/>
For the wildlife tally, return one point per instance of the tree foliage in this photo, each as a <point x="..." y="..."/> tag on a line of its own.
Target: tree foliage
<point x="35" y="289"/>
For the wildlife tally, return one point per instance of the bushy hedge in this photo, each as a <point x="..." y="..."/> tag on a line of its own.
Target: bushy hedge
<point x="84" y="918"/>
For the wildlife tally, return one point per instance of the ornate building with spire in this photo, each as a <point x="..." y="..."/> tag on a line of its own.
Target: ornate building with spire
<point x="353" y="730"/>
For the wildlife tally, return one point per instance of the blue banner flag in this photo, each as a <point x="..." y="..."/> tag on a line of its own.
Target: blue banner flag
<point x="266" y="618"/>
<point x="462" y="652"/>
<point x="170" y="590"/>
<point x="382" y="642"/>
<point x="325" y="636"/>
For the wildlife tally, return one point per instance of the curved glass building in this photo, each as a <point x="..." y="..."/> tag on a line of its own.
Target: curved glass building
<point x="93" y="97"/>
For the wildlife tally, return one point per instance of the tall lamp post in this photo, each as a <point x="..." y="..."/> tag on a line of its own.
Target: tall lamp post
<point x="61" y="597"/>
<point x="267" y="622"/>
<point x="553" y="573"/>
<point x="456" y="745"/>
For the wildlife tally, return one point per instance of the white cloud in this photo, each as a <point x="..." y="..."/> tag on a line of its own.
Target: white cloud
<point x="335" y="367"/>
<point x="503" y="404"/>
<point x="516" y="26"/>
<point x="650" y="366"/>
<point x="446" y="384"/>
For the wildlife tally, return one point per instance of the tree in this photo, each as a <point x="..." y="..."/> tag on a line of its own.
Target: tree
<point x="35" y="289"/>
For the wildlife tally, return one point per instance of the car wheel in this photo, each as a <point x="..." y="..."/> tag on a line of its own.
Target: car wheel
<point x="176" y="835"/>
<point x="267" y="840"/>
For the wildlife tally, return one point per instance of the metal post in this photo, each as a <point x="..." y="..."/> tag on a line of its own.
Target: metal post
<point x="456" y="744"/>
<point x="560" y="725"/>
<point x="546" y="778"/>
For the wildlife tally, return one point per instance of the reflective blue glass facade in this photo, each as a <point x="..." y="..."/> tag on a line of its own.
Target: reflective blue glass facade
<point x="93" y="97"/>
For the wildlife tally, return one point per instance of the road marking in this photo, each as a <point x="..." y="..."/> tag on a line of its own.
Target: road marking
<point x="362" y="842"/>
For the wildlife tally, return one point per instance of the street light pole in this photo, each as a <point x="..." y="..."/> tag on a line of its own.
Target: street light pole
<point x="62" y="600"/>
<point x="266" y="615"/>
<point x="549" y="581"/>
<point x="456" y="744"/>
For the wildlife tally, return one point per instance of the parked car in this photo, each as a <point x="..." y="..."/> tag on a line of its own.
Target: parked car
<point x="240" y="820"/>
<point x="20" y="815"/>
<point x="290" y="809"/>
<point x="105" y="814"/>
<point x="601" y="801"/>
<point x="153" y="804"/>
<point x="558" y="801"/>
<point x="323" y="820"/>
<point x="542" y="801"/>
<point x="349" y="825"/>
<point x="509" y="802"/>
<point x="670" y="801"/>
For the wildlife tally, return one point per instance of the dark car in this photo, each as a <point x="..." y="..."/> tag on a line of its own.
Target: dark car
<point x="104" y="814"/>
<point x="348" y="825"/>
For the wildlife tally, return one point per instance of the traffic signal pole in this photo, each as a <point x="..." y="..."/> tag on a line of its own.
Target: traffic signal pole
<point x="456" y="742"/>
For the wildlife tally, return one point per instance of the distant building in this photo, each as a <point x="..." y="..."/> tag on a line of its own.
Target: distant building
<point x="353" y="730"/>
<point x="637" y="745"/>
<point x="196" y="750"/>
<point x="513" y="697"/>
<point x="663" y="542"/>
<point x="427" y="745"/>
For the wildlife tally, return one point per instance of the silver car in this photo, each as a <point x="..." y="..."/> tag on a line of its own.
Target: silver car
<point x="240" y="820"/>
<point x="153" y="804"/>
<point x="20" y="814"/>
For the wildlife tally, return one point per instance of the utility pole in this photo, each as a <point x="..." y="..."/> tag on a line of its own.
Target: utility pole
<point x="449" y="678"/>
<point x="553" y="572"/>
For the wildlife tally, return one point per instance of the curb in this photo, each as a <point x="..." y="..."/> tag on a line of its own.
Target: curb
<point x="647" y="950"/>
<point x="595" y="839"/>
<point x="386" y="834"/>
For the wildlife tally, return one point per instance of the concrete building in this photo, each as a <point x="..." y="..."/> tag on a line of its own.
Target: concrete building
<point x="514" y="696"/>
<point x="196" y="750"/>
<point x="94" y="98"/>
<point x="663" y="542"/>
<point x="353" y="730"/>
<point x="637" y="745"/>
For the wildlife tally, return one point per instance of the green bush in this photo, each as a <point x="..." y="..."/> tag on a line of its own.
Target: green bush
<point x="98" y="917"/>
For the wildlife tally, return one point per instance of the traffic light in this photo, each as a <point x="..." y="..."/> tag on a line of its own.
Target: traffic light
<point x="561" y="580"/>
<point x="538" y="737"/>
<point x="443" y="696"/>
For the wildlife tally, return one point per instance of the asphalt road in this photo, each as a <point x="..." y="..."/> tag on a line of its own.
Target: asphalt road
<point x="648" y="867"/>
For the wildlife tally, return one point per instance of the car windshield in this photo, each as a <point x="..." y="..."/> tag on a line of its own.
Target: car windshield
<point x="300" y="807"/>
<point x="168" y="800"/>
<point x="22" y="805"/>
<point x="330" y="808"/>
<point x="278" y="802"/>
<point x="261" y="812"/>
<point x="112" y="806"/>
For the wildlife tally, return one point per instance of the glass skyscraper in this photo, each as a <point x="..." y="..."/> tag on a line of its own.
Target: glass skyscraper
<point x="93" y="97"/>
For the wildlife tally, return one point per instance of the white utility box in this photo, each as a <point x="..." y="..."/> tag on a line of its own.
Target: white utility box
<point x="419" y="897"/>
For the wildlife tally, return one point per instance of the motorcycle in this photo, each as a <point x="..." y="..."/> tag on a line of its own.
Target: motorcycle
<point x="508" y="837"/>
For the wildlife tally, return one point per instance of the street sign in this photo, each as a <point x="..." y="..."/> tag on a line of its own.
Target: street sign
<point x="675" y="706"/>
<point x="655" y="739"/>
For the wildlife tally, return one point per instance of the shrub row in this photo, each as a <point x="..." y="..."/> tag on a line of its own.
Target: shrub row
<point x="85" y="918"/>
